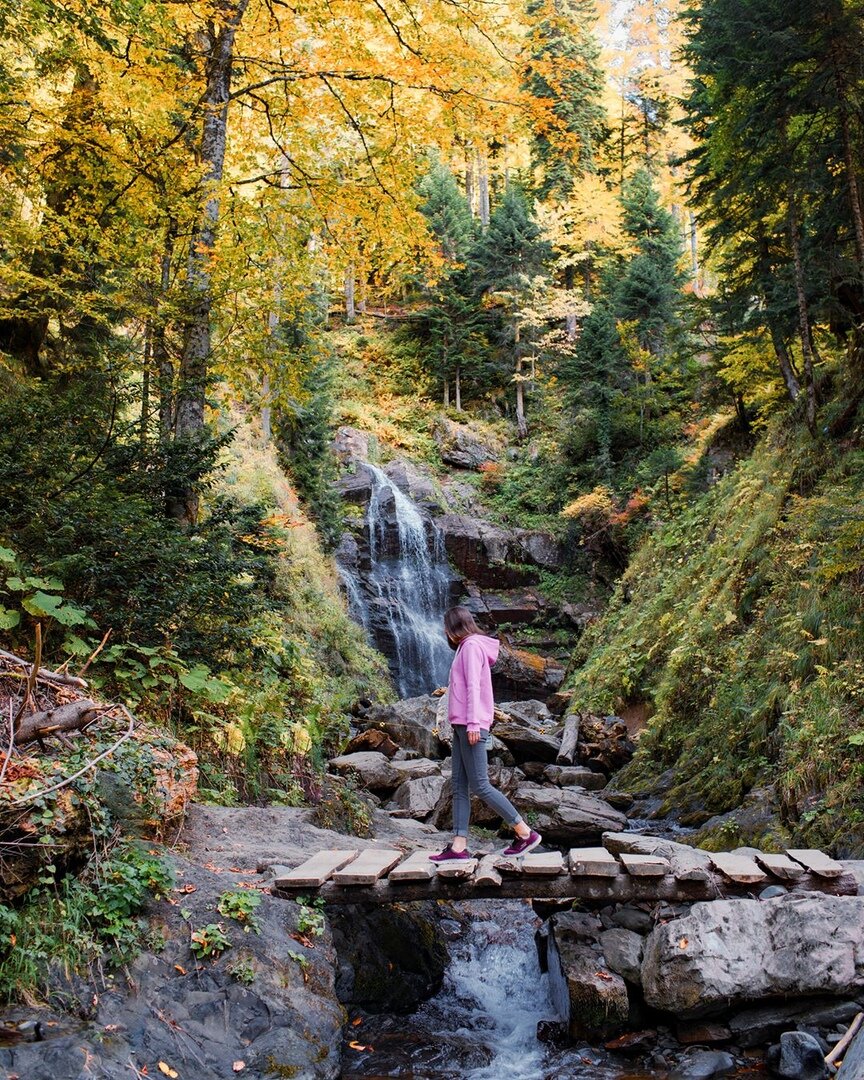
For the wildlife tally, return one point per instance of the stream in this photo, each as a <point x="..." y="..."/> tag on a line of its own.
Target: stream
<point x="482" y="1024"/>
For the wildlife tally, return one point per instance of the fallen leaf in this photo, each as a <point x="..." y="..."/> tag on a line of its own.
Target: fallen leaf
<point x="187" y="888"/>
<point x="239" y="1066"/>
<point x="359" y="1046"/>
<point x="182" y="970"/>
<point x="168" y="1071"/>
<point x="604" y="975"/>
<point x="683" y="943"/>
<point x="357" y="1020"/>
<point x="13" y="940"/>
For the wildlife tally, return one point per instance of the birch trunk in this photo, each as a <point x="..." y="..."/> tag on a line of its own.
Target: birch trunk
<point x="350" y="307"/>
<point x="458" y="388"/>
<point x="161" y="358"/>
<point x="807" y="349"/>
<point x="483" y="188"/>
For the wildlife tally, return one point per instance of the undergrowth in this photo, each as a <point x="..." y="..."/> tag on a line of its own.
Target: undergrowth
<point x="741" y="625"/>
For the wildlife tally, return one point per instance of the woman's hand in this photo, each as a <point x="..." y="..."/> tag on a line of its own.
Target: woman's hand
<point x="473" y="738"/>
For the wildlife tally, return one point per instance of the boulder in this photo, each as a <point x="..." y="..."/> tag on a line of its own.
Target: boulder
<point x="703" y="1065"/>
<point x="567" y="815"/>
<point x="623" y="951"/>
<point x="526" y="743"/>
<point x="693" y="1032"/>
<point x="415" y="768"/>
<point x="604" y="743"/>
<point x="415" y="484"/>
<point x="372" y="739"/>
<point x="531" y="713"/>
<point x="759" y="1025"/>
<point x="373" y="770"/>
<point x="491" y="609"/>
<point x="503" y="778"/>
<point x="483" y="553"/>
<point x="592" y="999"/>
<point x="525" y="674"/>
<point x="574" y="776"/>
<point x="801" y="1057"/>
<point x="350" y="444"/>
<point x="412" y="723"/>
<point x="461" y="447"/>
<point x="418" y="798"/>
<point x="729" y="951"/>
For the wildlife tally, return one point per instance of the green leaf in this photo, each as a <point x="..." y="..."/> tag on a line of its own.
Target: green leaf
<point x="16" y="584"/>
<point x="41" y="604"/>
<point x="9" y="618"/>
<point x="7" y="556"/>
<point x="856" y="740"/>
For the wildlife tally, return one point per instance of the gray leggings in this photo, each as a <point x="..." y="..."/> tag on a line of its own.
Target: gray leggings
<point x="471" y="771"/>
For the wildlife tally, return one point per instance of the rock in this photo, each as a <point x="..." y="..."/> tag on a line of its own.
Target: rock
<point x="703" y="1065"/>
<point x="418" y="798"/>
<point x="771" y="892"/>
<point x="525" y="743"/>
<point x="743" y="950"/>
<point x="372" y="739"/>
<point x="463" y="448"/>
<point x="416" y="768"/>
<point x="373" y="770"/>
<point x="701" y="1031"/>
<point x="574" y="776"/>
<point x="530" y="713"/>
<point x="567" y="815"/>
<point x="350" y="444"/>
<point x="687" y="863"/>
<point x="754" y="1027"/>
<point x="412" y="723"/>
<point x="623" y="952"/>
<point x="416" y="484"/>
<point x="633" y="1042"/>
<point x="801" y="1057"/>
<point x="355" y="487"/>
<point x="267" y="1000"/>
<point x="856" y="868"/>
<point x="525" y="674"/>
<point x="632" y="918"/>
<point x="483" y="553"/>
<point x="593" y="1000"/>
<point x="491" y="609"/>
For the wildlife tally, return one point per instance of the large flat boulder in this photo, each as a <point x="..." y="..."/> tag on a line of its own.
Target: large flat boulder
<point x="522" y="674"/>
<point x="567" y="815"/>
<point x="730" y="951"/>
<point x="412" y="723"/>
<point x="417" y="798"/>
<point x="373" y="771"/>
<point x="526" y="743"/>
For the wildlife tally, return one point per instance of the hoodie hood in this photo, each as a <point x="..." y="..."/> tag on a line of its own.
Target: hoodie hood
<point x="490" y="646"/>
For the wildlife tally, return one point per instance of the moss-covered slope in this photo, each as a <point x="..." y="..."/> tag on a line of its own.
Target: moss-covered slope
<point x="739" y="624"/>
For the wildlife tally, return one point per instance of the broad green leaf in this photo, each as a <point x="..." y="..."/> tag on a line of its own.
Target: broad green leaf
<point x="9" y="618"/>
<point x="7" y="556"/>
<point x="41" y="604"/>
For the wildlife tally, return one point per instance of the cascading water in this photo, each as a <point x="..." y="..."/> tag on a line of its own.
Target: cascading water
<point x="482" y="1024"/>
<point x="401" y="595"/>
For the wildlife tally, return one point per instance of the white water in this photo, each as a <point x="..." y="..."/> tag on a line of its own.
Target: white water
<point x="404" y="595"/>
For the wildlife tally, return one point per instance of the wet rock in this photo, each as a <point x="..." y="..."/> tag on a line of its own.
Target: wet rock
<point x="700" y="1032"/>
<point x="754" y="1027"/>
<point x="703" y="1065"/>
<point x="633" y="1042"/>
<point x="567" y="815"/>
<point x="414" y="483"/>
<point x="525" y="674"/>
<point x="355" y="487"/>
<point x="552" y="1032"/>
<point x="418" y="798"/>
<point x="853" y="1061"/>
<point x="593" y="999"/>
<point x="574" y="776"/>
<point x="801" y="1057"/>
<point x="372" y="739"/>
<point x="623" y="952"/>
<point x="391" y="958"/>
<point x="412" y="723"/>
<point x="740" y="950"/>
<point x="373" y="770"/>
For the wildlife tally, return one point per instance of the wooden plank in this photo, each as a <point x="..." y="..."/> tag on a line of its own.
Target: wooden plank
<point x="457" y="868"/>
<point x="415" y="868"/>
<point x="316" y="870"/>
<point x="738" y="868"/>
<point x="369" y="865"/>
<point x="644" y="865"/>
<point x="487" y="871"/>
<point x="593" y="891"/>
<point x="781" y="866"/>
<point x="543" y="864"/>
<point x="817" y="862"/>
<point x="593" y="862"/>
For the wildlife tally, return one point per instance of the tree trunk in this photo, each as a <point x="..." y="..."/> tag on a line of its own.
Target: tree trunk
<point x="849" y="159"/>
<point x="784" y="361"/>
<point x="694" y="250"/>
<point x="521" y="425"/>
<point x="458" y="381"/>
<point x="570" y="324"/>
<point x="161" y="359"/>
<point x="145" y="385"/>
<point x="194" y="362"/>
<point x="807" y="349"/>
<point x="483" y="188"/>
<point x="350" y="307"/>
<point x="446" y="392"/>
<point x="470" y="185"/>
<point x="266" y="426"/>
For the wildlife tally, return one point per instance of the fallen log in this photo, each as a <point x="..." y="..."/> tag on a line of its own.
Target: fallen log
<point x="74" y="716"/>
<point x="569" y="739"/>
<point x="43" y="673"/>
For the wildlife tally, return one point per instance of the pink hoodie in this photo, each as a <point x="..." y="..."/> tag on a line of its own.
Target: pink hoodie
<point x="471" y="701"/>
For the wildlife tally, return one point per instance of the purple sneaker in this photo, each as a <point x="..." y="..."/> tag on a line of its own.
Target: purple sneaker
<point x="448" y="853"/>
<point x="522" y="847"/>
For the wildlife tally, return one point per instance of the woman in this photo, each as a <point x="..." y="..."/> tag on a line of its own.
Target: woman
<point x="470" y="712"/>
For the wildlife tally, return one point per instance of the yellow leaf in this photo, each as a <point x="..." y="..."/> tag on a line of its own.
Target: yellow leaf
<point x="168" y="1071"/>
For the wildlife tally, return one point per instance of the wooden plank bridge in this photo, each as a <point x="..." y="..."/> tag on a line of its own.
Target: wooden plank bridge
<point x="595" y="875"/>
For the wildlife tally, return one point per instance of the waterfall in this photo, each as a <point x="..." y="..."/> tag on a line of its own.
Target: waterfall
<point x="399" y="593"/>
